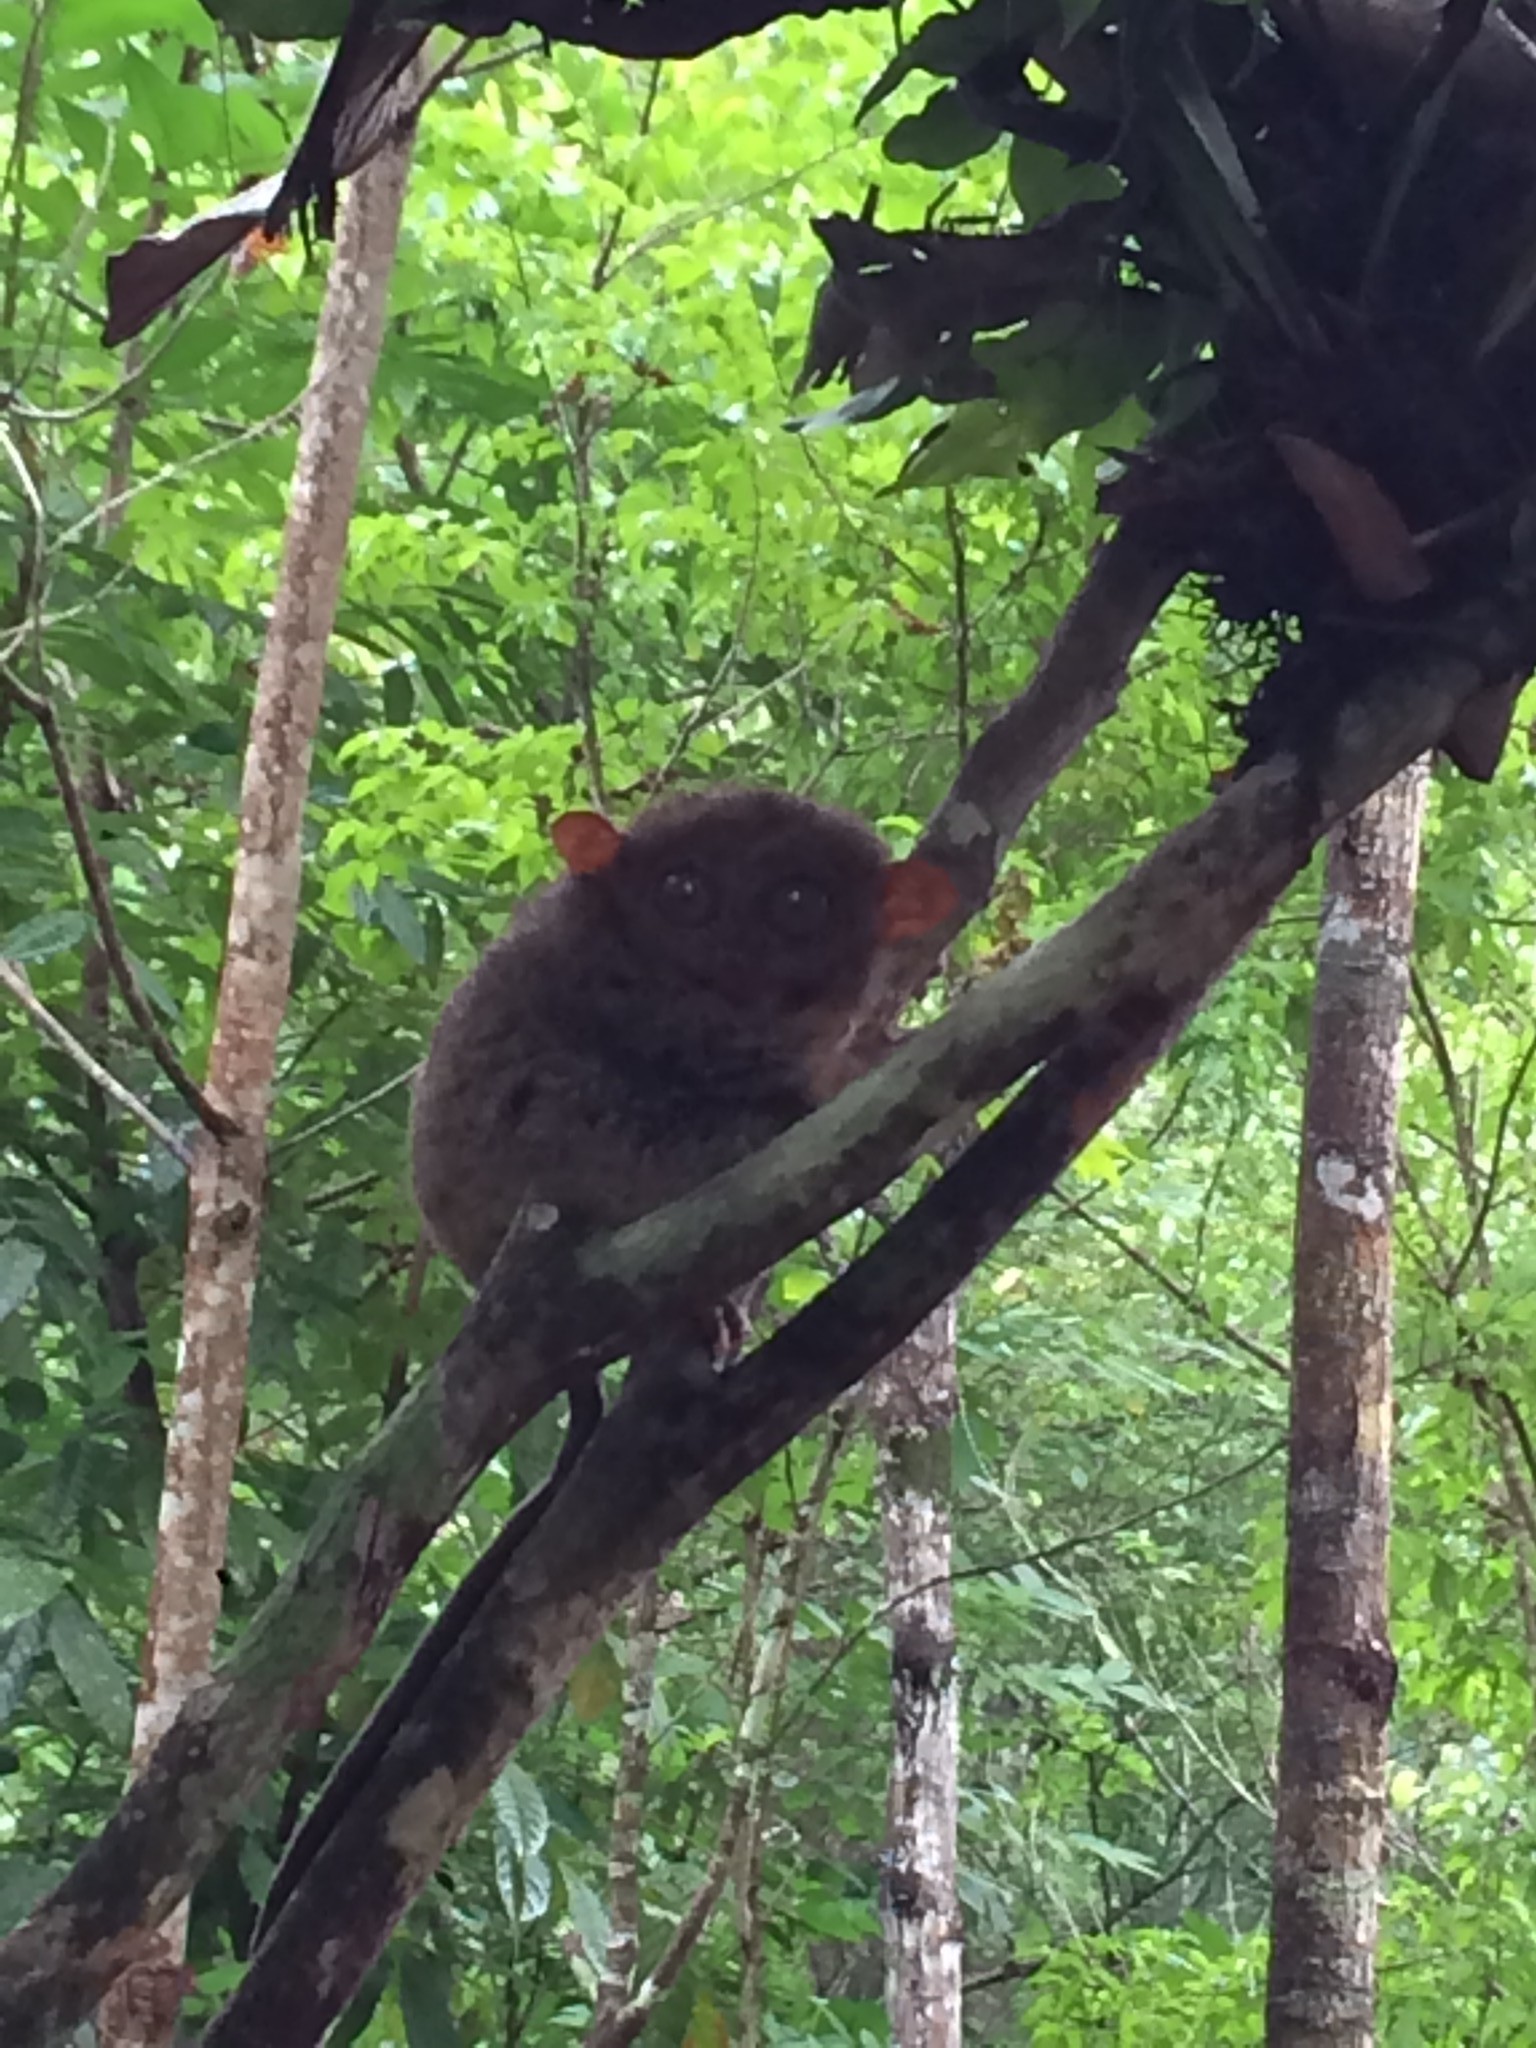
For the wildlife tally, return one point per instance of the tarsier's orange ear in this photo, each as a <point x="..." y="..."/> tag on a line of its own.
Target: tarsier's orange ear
<point x="918" y="896"/>
<point x="585" y="841"/>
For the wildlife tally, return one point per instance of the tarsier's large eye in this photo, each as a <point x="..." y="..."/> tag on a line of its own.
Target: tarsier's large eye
<point x="799" y="908"/>
<point x="684" y="896"/>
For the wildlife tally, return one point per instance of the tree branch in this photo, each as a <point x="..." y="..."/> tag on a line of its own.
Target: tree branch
<point x="664" y="1457"/>
<point x="1188" y="1297"/>
<point x="1076" y="686"/>
<point x="1484" y="1208"/>
<point x="99" y="890"/>
<point x="16" y="981"/>
<point x="552" y="1312"/>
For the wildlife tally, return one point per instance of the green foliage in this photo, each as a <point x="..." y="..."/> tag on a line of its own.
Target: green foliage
<point x="586" y="547"/>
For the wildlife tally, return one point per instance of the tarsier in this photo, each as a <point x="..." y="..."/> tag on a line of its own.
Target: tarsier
<point x="684" y="993"/>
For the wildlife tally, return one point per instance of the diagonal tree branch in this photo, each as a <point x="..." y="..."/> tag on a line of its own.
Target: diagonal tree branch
<point x="94" y="870"/>
<point x="16" y="981"/>
<point x="1077" y="685"/>
<point x="586" y="1556"/>
<point x="663" y="1458"/>
<point x="552" y="1312"/>
<point x="377" y="1523"/>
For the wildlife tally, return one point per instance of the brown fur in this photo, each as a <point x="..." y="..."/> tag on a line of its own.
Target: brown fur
<point x="641" y="1028"/>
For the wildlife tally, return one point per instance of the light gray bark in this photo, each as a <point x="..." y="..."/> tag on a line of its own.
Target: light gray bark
<point x="913" y="1397"/>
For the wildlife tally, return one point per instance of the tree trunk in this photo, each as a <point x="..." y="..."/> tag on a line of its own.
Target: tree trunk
<point x="913" y="1396"/>
<point x="626" y="1843"/>
<point x="228" y="1181"/>
<point x="1339" y="1670"/>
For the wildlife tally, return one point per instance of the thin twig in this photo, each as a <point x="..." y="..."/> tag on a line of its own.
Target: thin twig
<point x="1035" y="1560"/>
<point x="956" y="528"/>
<point x="29" y="488"/>
<point x="1409" y="1179"/>
<point x="16" y="981"/>
<point x="1450" y="1082"/>
<point x="608" y="241"/>
<point x="345" y="1110"/>
<point x="1188" y="1297"/>
<point x="483" y="66"/>
<point x="274" y="423"/>
<point x="94" y="871"/>
<point x="1491" y="1178"/>
<point x="757" y="1743"/>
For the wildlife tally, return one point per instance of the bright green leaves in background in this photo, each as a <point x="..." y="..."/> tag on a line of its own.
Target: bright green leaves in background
<point x="587" y="543"/>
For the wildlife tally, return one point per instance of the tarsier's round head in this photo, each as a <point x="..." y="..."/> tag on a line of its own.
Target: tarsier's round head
<point x="773" y="901"/>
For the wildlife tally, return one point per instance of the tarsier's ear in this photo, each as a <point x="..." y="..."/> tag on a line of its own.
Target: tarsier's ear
<point x="918" y="896"/>
<point x="585" y="841"/>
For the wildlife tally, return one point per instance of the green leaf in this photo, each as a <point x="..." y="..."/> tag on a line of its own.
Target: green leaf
<point x="89" y="1667"/>
<point x="948" y="45"/>
<point x="26" y="1585"/>
<point x="596" y="1686"/>
<point x="520" y="1828"/>
<point x="443" y="695"/>
<point x="399" y="917"/>
<point x="104" y="24"/>
<point x="1111" y="1853"/>
<point x="40" y="937"/>
<point x="589" y="1916"/>
<point x="520" y="1811"/>
<point x="181" y="123"/>
<point x="942" y="136"/>
<point x="20" y="1264"/>
<point x="983" y="438"/>
<point x="424" y="1983"/>
<point x="399" y="695"/>
<point x="155" y="989"/>
<point x="26" y="1402"/>
<point x="1044" y="181"/>
<point x="20" y="1647"/>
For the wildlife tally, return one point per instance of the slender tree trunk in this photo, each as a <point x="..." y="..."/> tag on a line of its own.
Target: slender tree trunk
<point x="626" y="1841"/>
<point x="912" y="1398"/>
<point x="1339" y="1669"/>
<point x="228" y="1182"/>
